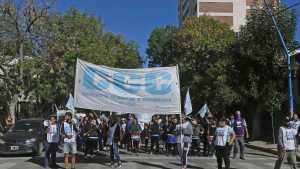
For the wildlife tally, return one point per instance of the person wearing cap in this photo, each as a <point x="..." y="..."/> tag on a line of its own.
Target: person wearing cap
<point x="223" y="140"/>
<point x="184" y="132"/>
<point x="286" y="144"/>
<point x="52" y="133"/>
<point x="68" y="132"/>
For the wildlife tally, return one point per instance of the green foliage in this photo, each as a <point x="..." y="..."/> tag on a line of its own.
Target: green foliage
<point x="49" y="70"/>
<point x="260" y="70"/>
<point x="199" y="47"/>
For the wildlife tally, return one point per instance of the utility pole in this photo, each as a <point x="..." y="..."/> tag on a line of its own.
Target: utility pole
<point x="287" y="55"/>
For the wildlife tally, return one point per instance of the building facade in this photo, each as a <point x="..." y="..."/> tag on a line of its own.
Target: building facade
<point x="232" y="12"/>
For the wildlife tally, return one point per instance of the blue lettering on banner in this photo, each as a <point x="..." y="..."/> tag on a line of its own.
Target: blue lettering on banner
<point x="158" y="83"/>
<point x="89" y="79"/>
<point x="122" y="82"/>
<point x="155" y="83"/>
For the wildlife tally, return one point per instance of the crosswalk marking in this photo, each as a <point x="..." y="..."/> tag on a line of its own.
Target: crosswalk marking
<point x="7" y="165"/>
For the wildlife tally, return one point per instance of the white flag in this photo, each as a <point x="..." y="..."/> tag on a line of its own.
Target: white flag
<point x="70" y="103"/>
<point x="188" y="104"/>
<point x="204" y="110"/>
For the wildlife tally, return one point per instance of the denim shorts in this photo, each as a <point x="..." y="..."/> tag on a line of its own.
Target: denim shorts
<point x="70" y="148"/>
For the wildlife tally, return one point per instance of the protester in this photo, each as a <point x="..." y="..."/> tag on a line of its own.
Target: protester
<point x="114" y="136"/>
<point x="69" y="132"/>
<point x="52" y="132"/>
<point x="135" y="132"/>
<point x="224" y="139"/>
<point x="123" y="129"/>
<point x="286" y="144"/>
<point x="295" y="124"/>
<point x="205" y="123"/>
<point x="155" y="135"/>
<point x="197" y="133"/>
<point x="240" y="129"/>
<point x="171" y="137"/>
<point x="212" y="126"/>
<point x="145" y="135"/>
<point x="184" y="132"/>
<point x="91" y="134"/>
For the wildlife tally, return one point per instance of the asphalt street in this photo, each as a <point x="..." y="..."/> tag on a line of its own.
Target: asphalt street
<point x="254" y="160"/>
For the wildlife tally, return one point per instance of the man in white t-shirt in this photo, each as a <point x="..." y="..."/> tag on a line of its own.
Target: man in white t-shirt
<point x="295" y="124"/>
<point x="286" y="144"/>
<point x="52" y="133"/>
<point x="224" y="139"/>
<point x="68" y="131"/>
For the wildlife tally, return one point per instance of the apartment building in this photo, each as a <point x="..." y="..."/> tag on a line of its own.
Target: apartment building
<point x="232" y="12"/>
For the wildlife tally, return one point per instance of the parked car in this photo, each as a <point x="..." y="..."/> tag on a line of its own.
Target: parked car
<point x="23" y="137"/>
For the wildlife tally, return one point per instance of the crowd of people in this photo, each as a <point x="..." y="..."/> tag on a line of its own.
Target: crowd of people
<point x="165" y="134"/>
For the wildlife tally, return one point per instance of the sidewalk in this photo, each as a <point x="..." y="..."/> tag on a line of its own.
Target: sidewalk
<point x="265" y="147"/>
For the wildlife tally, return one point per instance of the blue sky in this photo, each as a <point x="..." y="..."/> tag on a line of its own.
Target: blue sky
<point x="135" y="19"/>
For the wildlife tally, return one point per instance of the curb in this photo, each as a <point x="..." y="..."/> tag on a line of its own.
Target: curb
<point x="267" y="150"/>
<point x="259" y="148"/>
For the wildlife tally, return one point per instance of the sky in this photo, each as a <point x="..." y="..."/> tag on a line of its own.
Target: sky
<point x="135" y="19"/>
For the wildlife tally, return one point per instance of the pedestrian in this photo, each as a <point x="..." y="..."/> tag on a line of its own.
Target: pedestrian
<point x="91" y="134"/>
<point x="171" y="137"/>
<point x="295" y="123"/>
<point x="224" y="139"/>
<point x="52" y="132"/>
<point x="184" y="132"/>
<point x="123" y="129"/>
<point x="145" y="135"/>
<point x="68" y="132"/>
<point x="114" y="137"/>
<point x="135" y="132"/>
<point x="286" y="144"/>
<point x="155" y="135"/>
<point x="212" y="126"/>
<point x="197" y="130"/>
<point x="241" y="131"/>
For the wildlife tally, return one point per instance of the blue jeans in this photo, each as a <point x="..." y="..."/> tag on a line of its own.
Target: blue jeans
<point x="114" y="152"/>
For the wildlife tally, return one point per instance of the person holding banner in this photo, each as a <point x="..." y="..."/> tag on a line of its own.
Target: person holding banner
<point x="184" y="132"/>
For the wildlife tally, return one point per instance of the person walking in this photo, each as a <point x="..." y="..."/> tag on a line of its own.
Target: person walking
<point x="295" y="123"/>
<point x="91" y="133"/>
<point x="114" y="137"/>
<point x="224" y="138"/>
<point x="212" y="126"/>
<point x="155" y="135"/>
<point x="241" y="131"/>
<point x="184" y="132"/>
<point x="52" y="132"/>
<point x="69" y="131"/>
<point x="286" y="144"/>
<point x="135" y="132"/>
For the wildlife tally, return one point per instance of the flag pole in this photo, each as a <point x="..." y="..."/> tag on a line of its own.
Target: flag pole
<point x="180" y="116"/>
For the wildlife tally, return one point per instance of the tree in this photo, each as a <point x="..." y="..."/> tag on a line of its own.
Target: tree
<point x="48" y="66"/>
<point x="259" y="69"/>
<point x="199" y="47"/>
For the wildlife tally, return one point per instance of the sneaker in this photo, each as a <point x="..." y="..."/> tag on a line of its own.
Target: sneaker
<point x="119" y="165"/>
<point x="242" y="158"/>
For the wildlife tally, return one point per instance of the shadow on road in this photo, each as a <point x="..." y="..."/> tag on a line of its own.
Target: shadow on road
<point x="151" y="164"/>
<point x="101" y="160"/>
<point x="189" y="166"/>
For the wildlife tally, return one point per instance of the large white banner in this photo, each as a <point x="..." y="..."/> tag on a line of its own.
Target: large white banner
<point x="151" y="90"/>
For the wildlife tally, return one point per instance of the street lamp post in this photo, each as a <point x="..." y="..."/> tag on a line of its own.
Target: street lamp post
<point x="287" y="55"/>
